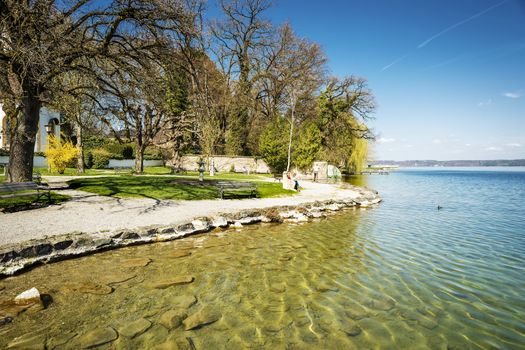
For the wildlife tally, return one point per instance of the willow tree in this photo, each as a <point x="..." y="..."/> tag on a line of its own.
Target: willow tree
<point x="344" y="107"/>
<point x="43" y="39"/>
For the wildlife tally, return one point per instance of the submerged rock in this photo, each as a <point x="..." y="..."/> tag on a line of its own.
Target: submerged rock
<point x="383" y="304"/>
<point x="350" y="328"/>
<point x="137" y="262"/>
<point x="173" y="318"/>
<point x="29" y="341"/>
<point x="176" y="344"/>
<point x="278" y="287"/>
<point x="173" y="282"/>
<point x="87" y="288"/>
<point x="204" y="316"/>
<point x="184" y="301"/>
<point x="135" y="328"/>
<point x="96" y="337"/>
<point x="59" y="340"/>
<point x="179" y="254"/>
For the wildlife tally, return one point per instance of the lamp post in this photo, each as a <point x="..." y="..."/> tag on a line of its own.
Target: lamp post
<point x="50" y="128"/>
<point x="201" y="170"/>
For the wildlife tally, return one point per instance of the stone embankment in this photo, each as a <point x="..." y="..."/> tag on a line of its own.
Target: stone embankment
<point x="17" y="257"/>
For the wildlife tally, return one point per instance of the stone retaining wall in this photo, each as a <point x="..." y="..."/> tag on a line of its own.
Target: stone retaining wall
<point x="16" y="258"/>
<point x="225" y="164"/>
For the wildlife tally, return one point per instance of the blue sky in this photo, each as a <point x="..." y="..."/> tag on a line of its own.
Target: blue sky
<point x="448" y="75"/>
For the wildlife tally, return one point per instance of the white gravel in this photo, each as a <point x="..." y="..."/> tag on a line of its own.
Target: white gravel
<point x="89" y="213"/>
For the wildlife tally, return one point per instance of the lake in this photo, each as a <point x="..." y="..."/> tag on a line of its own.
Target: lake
<point x="401" y="275"/>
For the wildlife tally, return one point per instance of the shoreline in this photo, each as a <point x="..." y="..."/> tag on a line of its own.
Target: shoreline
<point x="162" y="221"/>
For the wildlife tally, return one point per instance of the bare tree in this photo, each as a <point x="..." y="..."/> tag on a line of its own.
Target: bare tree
<point x="296" y="72"/>
<point x="137" y="107"/>
<point x="43" y="39"/>
<point x="240" y="40"/>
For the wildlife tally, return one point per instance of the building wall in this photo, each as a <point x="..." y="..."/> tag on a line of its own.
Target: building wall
<point x="41" y="137"/>
<point x="3" y="136"/>
<point x="45" y="116"/>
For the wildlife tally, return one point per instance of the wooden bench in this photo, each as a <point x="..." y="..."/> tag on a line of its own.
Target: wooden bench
<point x="178" y="170"/>
<point x="122" y="169"/>
<point x="237" y="187"/>
<point x="28" y="188"/>
<point x="277" y="177"/>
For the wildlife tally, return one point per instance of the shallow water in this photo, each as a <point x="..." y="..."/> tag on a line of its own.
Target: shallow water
<point x="402" y="275"/>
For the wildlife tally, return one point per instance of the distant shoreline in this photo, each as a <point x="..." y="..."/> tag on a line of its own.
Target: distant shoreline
<point x="450" y="163"/>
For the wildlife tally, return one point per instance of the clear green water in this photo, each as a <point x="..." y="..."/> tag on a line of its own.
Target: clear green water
<point x="401" y="276"/>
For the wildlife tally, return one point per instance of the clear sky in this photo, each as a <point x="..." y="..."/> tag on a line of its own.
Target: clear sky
<point x="448" y="75"/>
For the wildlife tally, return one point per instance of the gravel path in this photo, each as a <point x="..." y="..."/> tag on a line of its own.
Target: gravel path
<point x="89" y="213"/>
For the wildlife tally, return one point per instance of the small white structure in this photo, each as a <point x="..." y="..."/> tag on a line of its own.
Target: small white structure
<point x="48" y="124"/>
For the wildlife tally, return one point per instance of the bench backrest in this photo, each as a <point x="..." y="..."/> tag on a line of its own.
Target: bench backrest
<point x="17" y="186"/>
<point x="235" y="184"/>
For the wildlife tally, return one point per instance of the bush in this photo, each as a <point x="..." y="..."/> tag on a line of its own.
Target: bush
<point x="60" y="153"/>
<point x="88" y="159"/>
<point x="127" y="152"/>
<point x="119" y="150"/>
<point x="101" y="158"/>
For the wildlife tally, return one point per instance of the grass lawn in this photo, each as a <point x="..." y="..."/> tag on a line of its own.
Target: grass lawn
<point x="73" y="172"/>
<point x="27" y="200"/>
<point x="166" y="187"/>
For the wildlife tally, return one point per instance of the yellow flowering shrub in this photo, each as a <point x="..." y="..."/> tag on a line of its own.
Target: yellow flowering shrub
<point x="60" y="153"/>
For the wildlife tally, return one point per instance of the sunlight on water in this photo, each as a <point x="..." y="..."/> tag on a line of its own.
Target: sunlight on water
<point x="403" y="275"/>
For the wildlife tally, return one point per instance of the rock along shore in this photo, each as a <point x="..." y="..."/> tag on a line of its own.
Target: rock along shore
<point x="16" y="257"/>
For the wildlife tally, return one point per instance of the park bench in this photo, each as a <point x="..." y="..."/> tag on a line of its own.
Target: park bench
<point x="277" y="177"/>
<point x="178" y="170"/>
<point x="122" y="170"/>
<point x="240" y="188"/>
<point x="22" y="189"/>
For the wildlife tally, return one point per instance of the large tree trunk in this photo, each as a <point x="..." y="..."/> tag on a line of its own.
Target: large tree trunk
<point x="139" y="155"/>
<point x="80" y="146"/>
<point x="139" y="160"/>
<point x="22" y="145"/>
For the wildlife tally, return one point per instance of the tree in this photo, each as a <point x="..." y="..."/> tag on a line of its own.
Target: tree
<point x="308" y="146"/>
<point x="240" y="40"/>
<point x="344" y="107"/>
<point x="77" y="105"/>
<point x="272" y="146"/>
<point x="137" y="106"/>
<point x="42" y="40"/>
<point x="300" y="71"/>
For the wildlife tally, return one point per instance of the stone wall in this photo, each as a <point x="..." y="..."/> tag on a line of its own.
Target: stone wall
<point x="225" y="164"/>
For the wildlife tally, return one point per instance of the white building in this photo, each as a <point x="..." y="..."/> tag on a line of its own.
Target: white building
<point x="48" y="123"/>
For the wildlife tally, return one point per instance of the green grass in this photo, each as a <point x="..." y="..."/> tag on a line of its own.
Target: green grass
<point x="157" y="170"/>
<point x="163" y="187"/>
<point x="73" y="172"/>
<point x="26" y="200"/>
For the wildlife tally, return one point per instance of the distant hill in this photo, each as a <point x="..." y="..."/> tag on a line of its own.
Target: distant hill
<point x="444" y="163"/>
